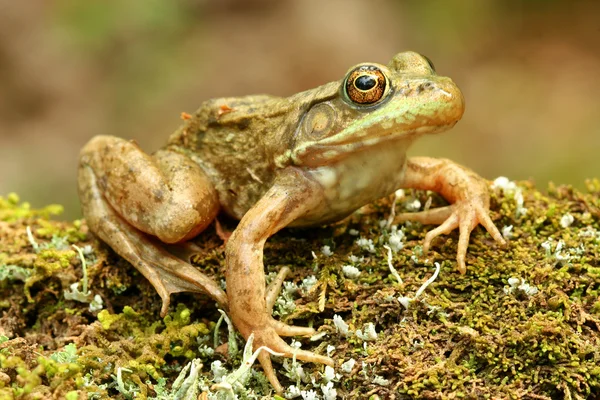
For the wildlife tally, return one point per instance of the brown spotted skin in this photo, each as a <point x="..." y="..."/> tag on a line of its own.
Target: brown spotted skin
<point x="272" y="162"/>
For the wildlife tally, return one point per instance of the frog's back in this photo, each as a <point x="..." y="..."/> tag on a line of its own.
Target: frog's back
<point x="229" y="139"/>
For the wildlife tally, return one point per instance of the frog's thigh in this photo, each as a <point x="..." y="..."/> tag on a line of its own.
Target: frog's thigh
<point x="110" y="171"/>
<point x="166" y="195"/>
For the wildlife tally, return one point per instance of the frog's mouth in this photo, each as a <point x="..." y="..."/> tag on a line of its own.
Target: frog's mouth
<point x="320" y="154"/>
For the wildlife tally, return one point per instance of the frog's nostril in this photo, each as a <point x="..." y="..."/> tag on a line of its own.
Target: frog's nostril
<point x="425" y="86"/>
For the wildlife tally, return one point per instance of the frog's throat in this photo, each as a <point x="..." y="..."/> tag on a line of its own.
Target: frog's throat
<point x="319" y="153"/>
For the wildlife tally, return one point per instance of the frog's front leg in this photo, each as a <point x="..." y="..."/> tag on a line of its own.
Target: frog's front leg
<point x="130" y="199"/>
<point x="291" y="197"/>
<point x="468" y="193"/>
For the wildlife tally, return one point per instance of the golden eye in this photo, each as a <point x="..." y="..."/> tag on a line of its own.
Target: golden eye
<point x="365" y="85"/>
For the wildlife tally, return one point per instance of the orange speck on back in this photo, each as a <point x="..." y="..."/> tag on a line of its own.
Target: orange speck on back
<point x="224" y="109"/>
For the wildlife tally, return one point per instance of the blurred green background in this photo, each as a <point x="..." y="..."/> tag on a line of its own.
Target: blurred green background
<point x="69" y="70"/>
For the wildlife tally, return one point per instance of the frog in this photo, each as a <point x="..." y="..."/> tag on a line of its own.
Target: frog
<point x="272" y="162"/>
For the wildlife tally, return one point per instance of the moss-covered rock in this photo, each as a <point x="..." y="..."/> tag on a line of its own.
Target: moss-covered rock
<point x="523" y="322"/>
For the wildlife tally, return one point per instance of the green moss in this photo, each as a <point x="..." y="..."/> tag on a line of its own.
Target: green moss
<point x="12" y="209"/>
<point x="524" y="320"/>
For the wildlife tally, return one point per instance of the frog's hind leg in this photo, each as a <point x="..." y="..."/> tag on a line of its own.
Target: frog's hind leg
<point x="128" y="196"/>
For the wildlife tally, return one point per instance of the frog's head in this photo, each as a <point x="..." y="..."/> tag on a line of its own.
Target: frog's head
<point x="373" y="105"/>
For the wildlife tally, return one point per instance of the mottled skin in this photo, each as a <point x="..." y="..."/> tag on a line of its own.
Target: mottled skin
<point x="272" y="162"/>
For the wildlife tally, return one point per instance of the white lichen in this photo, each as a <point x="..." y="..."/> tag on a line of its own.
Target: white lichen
<point x="285" y="303"/>
<point x="309" y="395"/>
<point x="326" y="250"/>
<point x="73" y="293"/>
<point x="330" y="349"/>
<point x="218" y="370"/>
<point x="356" y="260"/>
<point x="380" y="380"/>
<point x="510" y="188"/>
<point x="366" y="244"/>
<point x="350" y="271"/>
<point x="561" y="253"/>
<point x="329" y="374"/>
<point x="412" y="205"/>
<point x="340" y="325"/>
<point x="395" y="239"/>
<point x="590" y="232"/>
<point x="348" y="365"/>
<point x="507" y="232"/>
<point x="405" y="301"/>
<point x="398" y="194"/>
<point x="566" y="220"/>
<point x="292" y="392"/>
<point x="308" y="283"/>
<point x="393" y="270"/>
<point x="236" y="381"/>
<point x="518" y="284"/>
<point x="368" y="332"/>
<point x="232" y="347"/>
<point x="96" y="304"/>
<point x="206" y="351"/>
<point x="329" y="393"/>
<point x="519" y="209"/>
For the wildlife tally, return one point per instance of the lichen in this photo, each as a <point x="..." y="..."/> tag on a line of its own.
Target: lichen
<point x="524" y="321"/>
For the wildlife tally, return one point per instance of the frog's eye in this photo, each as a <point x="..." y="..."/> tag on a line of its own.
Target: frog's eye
<point x="429" y="62"/>
<point x="365" y="85"/>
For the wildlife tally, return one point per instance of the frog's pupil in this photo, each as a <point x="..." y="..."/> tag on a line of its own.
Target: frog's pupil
<point x="365" y="82"/>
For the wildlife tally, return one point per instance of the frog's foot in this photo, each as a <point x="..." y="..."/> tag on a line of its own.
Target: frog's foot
<point x="464" y="215"/>
<point x="468" y="193"/>
<point x="167" y="273"/>
<point x="270" y="336"/>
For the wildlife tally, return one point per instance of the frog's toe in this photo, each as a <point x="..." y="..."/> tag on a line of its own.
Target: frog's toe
<point x="274" y="288"/>
<point x="291" y="330"/>
<point x="264" y="359"/>
<point x="270" y="338"/>
<point x="434" y="216"/>
<point x="166" y="301"/>
<point x="465" y="228"/>
<point x="484" y="219"/>
<point x="466" y="218"/>
<point x="446" y="227"/>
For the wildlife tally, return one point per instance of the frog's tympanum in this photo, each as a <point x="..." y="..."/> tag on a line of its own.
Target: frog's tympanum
<point x="272" y="162"/>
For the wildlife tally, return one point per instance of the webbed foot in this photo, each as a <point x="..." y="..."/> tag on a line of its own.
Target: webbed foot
<point x="468" y="193"/>
<point x="464" y="215"/>
<point x="270" y="336"/>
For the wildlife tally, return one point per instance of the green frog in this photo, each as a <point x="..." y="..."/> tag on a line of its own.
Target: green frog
<point x="271" y="162"/>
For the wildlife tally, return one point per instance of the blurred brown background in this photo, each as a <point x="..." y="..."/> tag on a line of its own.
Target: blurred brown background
<point x="69" y="70"/>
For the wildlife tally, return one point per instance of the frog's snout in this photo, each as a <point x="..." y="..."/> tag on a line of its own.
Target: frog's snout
<point x="449" y="97"/>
